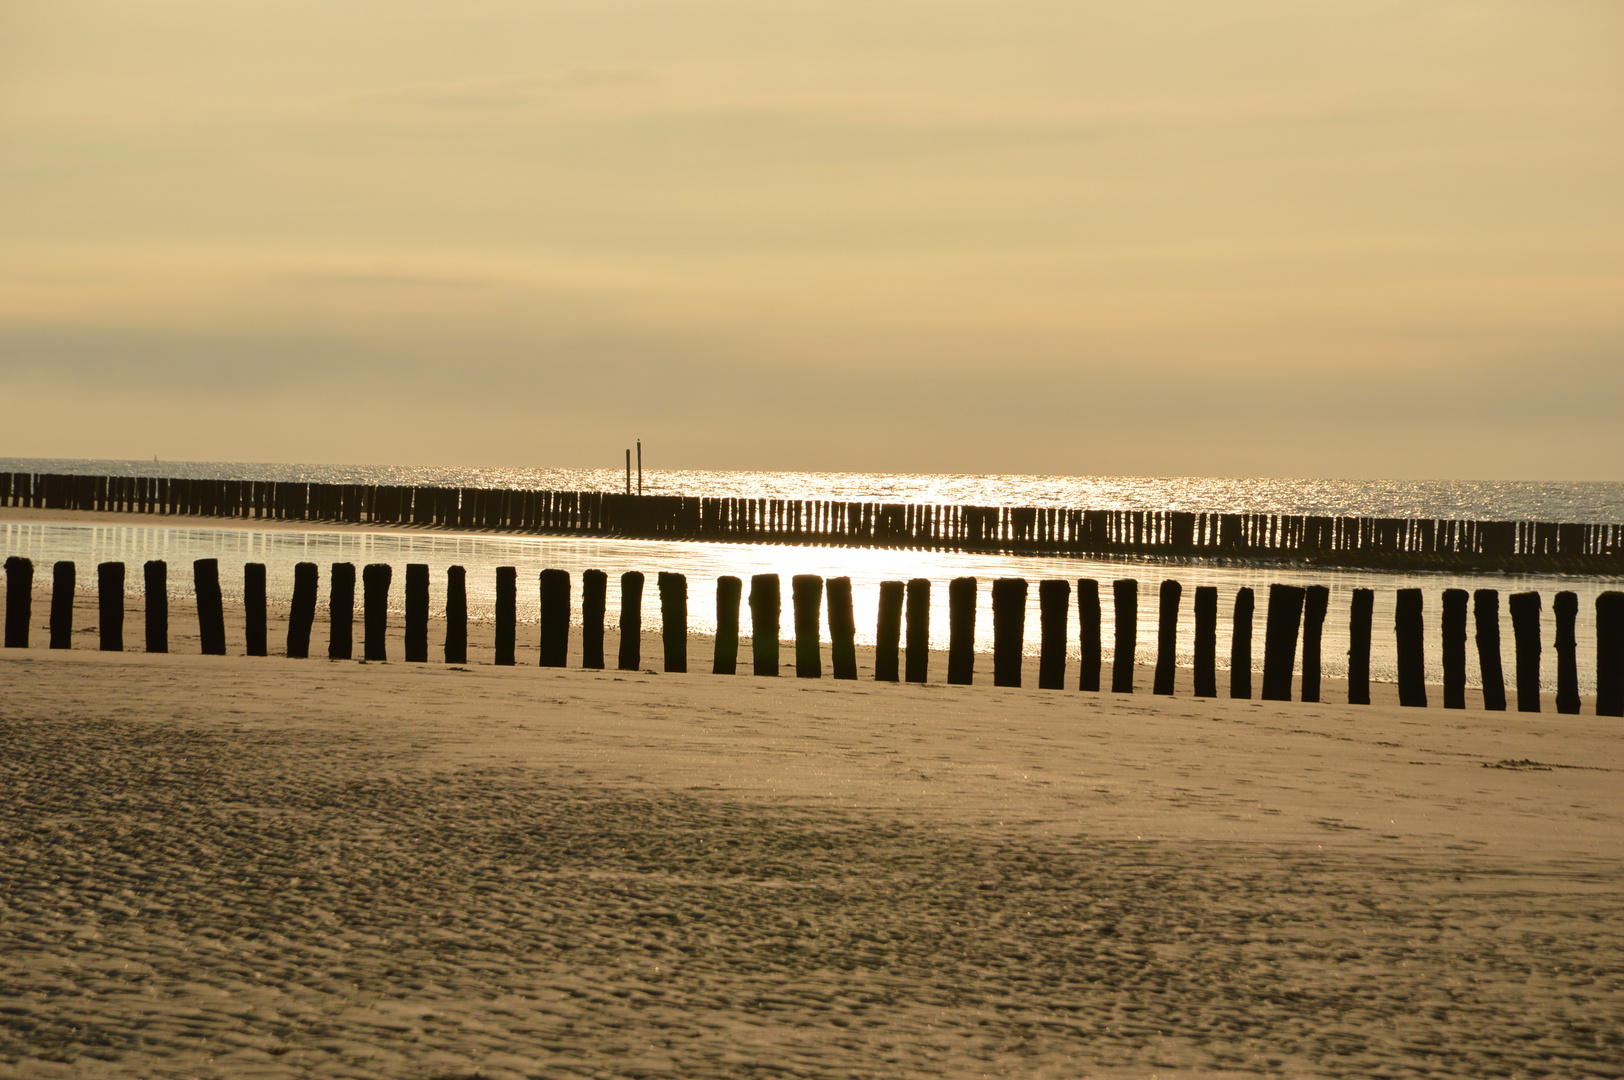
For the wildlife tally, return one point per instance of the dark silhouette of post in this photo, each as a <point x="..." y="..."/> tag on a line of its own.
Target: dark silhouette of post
<point x="765" y="607"/>
<point x="594" y="611"/>
<point x="1486" y="615"/>
<point x="631" y="621"/>
<point x="507" y="615"/>
<point x="1089" y="645"/>
<point x="211" y="614"/>
<point x="1240" y="646"/>
<point x="301" y="613"/>
<point x="1280" y="640"/>
<point x="729" y="591"/>
<point x="155" y="576"/>
<point x="806" y="591"/>
<point x="1054" y="609"/>
<point x="1125" y="595"/>
<point x="110" y="605"/>
<point x="1167" y="636"/>
<point x="1008" y="630"/>
<point x="62" y="583"/>
<point x="888" y="633"/>
<point x="375" y="579"/>
<point x="456" y="615"/>
<point x="1361" y="625"/>
<point x="341" y="611"/>
<point x="255" y="633"/>
<point x="1454" y="648"/>
<point x="674" y="620"/>
<point x="1565" y="606"/>
<point x="1525" y="607"/>
<point x="842" y="628"/>
<point x="1206" y="641"/>
<point x="1316" y="603"/>
<point x="555" y="618"/>
<point x="19" y="600"/>
<point x="961" y="631"/>
<point x="416" y="648"/>
<point x="917" y="659"/>
<point x="1610" y="654"/>
<point x="1410" y="632"/>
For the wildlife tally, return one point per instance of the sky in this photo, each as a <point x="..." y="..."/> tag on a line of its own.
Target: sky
<point x="1170" y="237"/>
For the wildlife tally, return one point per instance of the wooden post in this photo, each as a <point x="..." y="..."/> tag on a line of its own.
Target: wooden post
<point x="555" y="618"/>
<point x="1454" y="648"/>
<point x="631" y="621"/>
<point x="1316" y="602"/>
<point x="1410" y="631"/>
<point x="1240" y="646"/>
<point x="765" y="607"/>
<point x="888" y="633"/>
<point x="507" y="615"/>
<point x="417" y="613"/>
<point x="1361" y="625"/>
<point x="375" y="579"/>
<point x="729" y="590"/>
<point x="19" y="600"/>
<point x="1525" y="607"/>
<point x="62" y="584"/>
<point x="456" y="615"/>
<point x="110" y="605"/>
<point x="1280" y="640"/>
<point x="1167" y="634"/>
<point x="842" y="628"/>
<point x="301" y="614"/>
<point x="1486" y="615"/>
<point x="1088" y="633"/>
<point x="1206" y="641"/>
<point x="1610" y="654"/>
<point x="806" y="591"/>
<point x="961" y="631"/>
<point x="1565" y="606"/>
<point x="674" y="620"/>
<point x="594" y="610"/>
<point x="1008" y="630"/>
<point x="917" y="654"/>
<point x="1125" y="597"/>
<point x="211" y="615"/>
<point x="253" y="609"/>
<point x="1054" y="608"/>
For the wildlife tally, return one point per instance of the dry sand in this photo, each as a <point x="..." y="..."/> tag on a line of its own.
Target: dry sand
<point x="238" y="867"/>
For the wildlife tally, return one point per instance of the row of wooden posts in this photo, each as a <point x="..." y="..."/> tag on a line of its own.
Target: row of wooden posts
<point x="1291" y="610"/>
<point x="836" y="522"/>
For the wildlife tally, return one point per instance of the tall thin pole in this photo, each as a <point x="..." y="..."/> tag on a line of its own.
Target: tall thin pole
<point x="628" y="470"/>
<point x="640" y="466"/>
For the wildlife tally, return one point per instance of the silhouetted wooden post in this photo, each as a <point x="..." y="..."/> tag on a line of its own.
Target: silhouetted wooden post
<point x="255" y="635"/>
<point x="1125" y="596"/>
<point x="110" y="605"/>
<point x="1054" y="609"/>
<point x="555" y="618"/>
<point x="1361" y="624"/>
<point x="729" y="591"/>
<point x="1486" y="615"/>
<point x="1167" y="635"/>
<point x="842" y="628"/>
<point x="1088" y="634"/>
<point x="375" y="579"/>
<point x="302" y="611"/>
<point x="1240" y="646"/>
<point x="1565" y="606"/>
<point x="631" y="621"/>
<point x="1280" y="640"/>
<point x="765" y="607"/>
<point x="594" y="611"/>
<point x="1008" y="630"/>
<point x="62" y="583"/>
<point x="341" y="611"/>
<point x="674" y="620"/>
<point x="507" y="615"/>
<point x="417" y="613"/>
<point x="1454" y="648"/>
<point x="888" y="633"/>
<point x="456" y="615"/>
<point x="1410" y="631"/>
<point x="917" y="655"/>
<point x="19" y="600"/>
<point x="806" y="591"/>
<point x="1610" y="654"/>
<point x="1316" y="602"/>
<point x="961" y="631"/>
<point x="211" y="614"/>
<point x="1206" y="641"/>
<point x="1525" y="607"/>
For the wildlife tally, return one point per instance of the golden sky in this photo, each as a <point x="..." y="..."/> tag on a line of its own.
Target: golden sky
<point x="1291" y="239"/>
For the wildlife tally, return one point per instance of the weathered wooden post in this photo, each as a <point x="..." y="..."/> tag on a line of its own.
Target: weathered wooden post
<point x="631" y="621"/>
<point x="255" y="635"/>
<point x="842" y="628"/>
<point x="888" y="633"/>
<point x="674" y="620"/>
<point x="301" y="612"/>
<point x="1167" y="634"/>
<point x="765" y="607"/>
<point x="1410" y="632"/>
<point x="19" y="600"/>
<point x="594" y="611"/>
<point x="62" y="583"/>
<point x="456" y="615"/>
<point x="1008" y="630"/>
<point x="375" y="579"/>
<point x="507" y="615"/>
<point x="1206" y="641"/>
<point x="211" y="614"/>
<point x="1361" y="626"/>
<point x="1486" y="615"/>
<point x="1089" y="644"/>
<point x="917" y="655"/>
<point x="806" y="591"/>
<point x="1454" y="648"/>
<point x="555" y="618"/>
<point x="729" y="591"/>
<point x="417" y="613"/>
<point x="110" y="605"/>
<point x="1316" y="602"/>
<point x="156" y="600"/>
<point x="1125" y="596"/>
<point x="1565" y="606"/>
<point x="1240" y="645"/>
<point x="341" y="611"/>
<point x="1054" y="608"/>
<point x="1610" y="654"/>
<point x="1280" y="640"/>
<point x="1525" y="608"/>
<point x="961" y="631"/>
